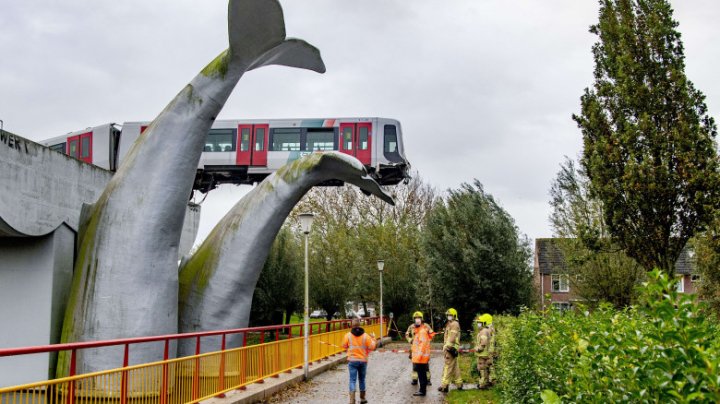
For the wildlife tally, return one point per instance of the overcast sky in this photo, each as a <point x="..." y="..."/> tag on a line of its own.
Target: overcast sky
<point x="483" y="88"/>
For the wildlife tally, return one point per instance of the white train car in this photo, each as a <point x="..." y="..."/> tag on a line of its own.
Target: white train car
<point x="247" y="151"/>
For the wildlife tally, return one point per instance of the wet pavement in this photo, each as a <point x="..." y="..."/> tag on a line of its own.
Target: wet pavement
<point x="388" y="381"/>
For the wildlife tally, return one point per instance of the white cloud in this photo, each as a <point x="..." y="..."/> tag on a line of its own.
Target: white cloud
<point x="484" y="88"/>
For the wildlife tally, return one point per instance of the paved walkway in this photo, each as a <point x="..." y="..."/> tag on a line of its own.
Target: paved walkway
<point x="388" y="381"/>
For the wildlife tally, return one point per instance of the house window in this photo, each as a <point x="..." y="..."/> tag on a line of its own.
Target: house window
<point x="694" y="278"/>
<point x="681" y="284"/>
<point x="560" y="283"/>
<point x="561" y="306"/>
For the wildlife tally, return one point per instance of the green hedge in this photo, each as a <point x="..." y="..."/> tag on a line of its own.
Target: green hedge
<point x="665" y="349"/>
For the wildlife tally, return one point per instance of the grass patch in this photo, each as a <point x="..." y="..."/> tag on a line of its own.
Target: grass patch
<point x="473" y="396"/>
<point x="467" y="363"/>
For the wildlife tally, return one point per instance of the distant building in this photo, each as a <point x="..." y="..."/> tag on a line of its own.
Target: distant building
<point x="551" y="278"/>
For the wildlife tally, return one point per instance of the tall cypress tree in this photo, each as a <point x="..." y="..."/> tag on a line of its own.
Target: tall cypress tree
<point x="649" y="147"/>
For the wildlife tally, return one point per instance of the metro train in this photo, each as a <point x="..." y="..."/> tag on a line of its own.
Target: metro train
<point x="247" y="151"/>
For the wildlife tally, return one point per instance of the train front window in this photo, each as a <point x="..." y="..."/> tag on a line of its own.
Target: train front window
<point x="320" y="140"/>
<point x="245" y="139"/>
<point x="286" y="139"/>
<point x="220" y="140"/>
<point x="259" y="139"/>
<point x="363" y="138"/>
<point x="390" y="139"/>
<point x="347" y="138"/>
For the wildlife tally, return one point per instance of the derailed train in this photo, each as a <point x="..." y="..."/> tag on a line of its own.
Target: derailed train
<point x="247" y="151"/>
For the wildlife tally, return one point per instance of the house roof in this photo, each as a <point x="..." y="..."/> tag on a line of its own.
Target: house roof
<point x="550" y="258"/>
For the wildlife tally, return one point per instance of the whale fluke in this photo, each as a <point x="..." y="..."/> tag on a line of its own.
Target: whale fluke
<point x="125" y="282"/>
<point x="217" y="282"/>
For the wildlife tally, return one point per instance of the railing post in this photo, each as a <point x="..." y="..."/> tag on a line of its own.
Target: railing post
<point x="221" y="377"/>
<point x="124" y="379"/>
<point x="262" y="336"/>
<point x="244" y="362"/>
<point x="196" y="372"/>
<point x="71" y="388"/>
<point x="164" y="384"/>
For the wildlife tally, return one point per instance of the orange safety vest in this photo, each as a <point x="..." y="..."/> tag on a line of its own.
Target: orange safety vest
<point x="358" y="348"/>
<point x="421" y="345"/>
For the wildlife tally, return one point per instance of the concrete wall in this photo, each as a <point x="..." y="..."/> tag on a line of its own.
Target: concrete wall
<point x="41" y="188"/>
<point x="41" y="196"/>
<point x="35" y="277"/>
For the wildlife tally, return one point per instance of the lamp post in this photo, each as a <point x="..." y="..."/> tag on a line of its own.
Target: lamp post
<point x="381" y="265"/>
<point x="306" y="220"/>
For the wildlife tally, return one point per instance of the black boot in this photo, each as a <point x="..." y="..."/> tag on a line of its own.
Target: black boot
<point x="419" y="394"/>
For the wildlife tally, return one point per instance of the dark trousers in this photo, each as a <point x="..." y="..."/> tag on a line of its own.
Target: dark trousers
<point x="422" y="370"/>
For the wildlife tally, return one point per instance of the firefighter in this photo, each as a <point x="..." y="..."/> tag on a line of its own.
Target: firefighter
<point x="451" y="348"/>
<point x="358" y="345"/>
<point x="420" y="354"/>
<point x="418" y="321"/>
<point x="484" y="349"/>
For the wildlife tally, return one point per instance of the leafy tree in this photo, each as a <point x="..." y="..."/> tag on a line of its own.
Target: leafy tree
<point x="707" y="264"/>
<point x="649" y="147"/>
<point x="279" y="288"/>
<point x="352" y="231"/>
<point x="599" y="271"/>
<point x="477" y="260"/>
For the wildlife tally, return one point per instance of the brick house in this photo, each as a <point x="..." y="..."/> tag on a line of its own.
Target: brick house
<point x="550" y="274"/>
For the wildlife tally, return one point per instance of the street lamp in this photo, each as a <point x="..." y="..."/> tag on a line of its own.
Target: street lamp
<point x="306" y="220"/>
<point x="381" y="265"/>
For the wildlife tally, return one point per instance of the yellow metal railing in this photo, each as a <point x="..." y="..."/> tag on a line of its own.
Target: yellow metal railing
<point x="183" y="380"/>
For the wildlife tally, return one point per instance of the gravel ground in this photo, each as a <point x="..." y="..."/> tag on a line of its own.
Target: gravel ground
<point x="388" y="381"/>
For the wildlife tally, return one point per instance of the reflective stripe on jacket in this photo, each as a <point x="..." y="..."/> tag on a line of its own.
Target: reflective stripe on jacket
<point x="421" y="345"/>
<point x="358" y="348"/>
<point x="410" y="333"/>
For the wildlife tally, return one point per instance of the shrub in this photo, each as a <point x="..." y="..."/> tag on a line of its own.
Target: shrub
<point x="662" y="350"/>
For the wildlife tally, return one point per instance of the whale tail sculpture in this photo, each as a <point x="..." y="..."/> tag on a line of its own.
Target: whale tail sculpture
<point x="125" y="282"/>
<point x="217" y="282"/>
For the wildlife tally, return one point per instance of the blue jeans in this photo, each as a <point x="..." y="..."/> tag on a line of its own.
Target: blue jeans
<point x="357" y="369"/>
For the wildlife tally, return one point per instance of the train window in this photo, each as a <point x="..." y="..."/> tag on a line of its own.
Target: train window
<point x="259" y="139"/>
<point x="85" y="149"/>
<point x="391" y="145"/>
<point x="220" y="140"/>
<point x="245" y="139"/>
<point x="286" y="139"/>
<point x="324" y="140"/>
<point x="363" y="138"/>
<point x="74" y="148"/>
<point x="347" y="138"/>
<point x="60" y="147"/>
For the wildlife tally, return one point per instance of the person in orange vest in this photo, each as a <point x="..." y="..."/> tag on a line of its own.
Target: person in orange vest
<point x="418" y="321"/>
<point x="358" y="345"/>
<point x="421" y="356"/>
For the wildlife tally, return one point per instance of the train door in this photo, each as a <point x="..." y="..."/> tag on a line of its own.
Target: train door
<point x="356" y="140"/>
<point x="252" y="145"/>
<point x="80" y="147"/>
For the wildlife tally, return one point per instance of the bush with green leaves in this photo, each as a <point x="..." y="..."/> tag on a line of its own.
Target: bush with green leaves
<point x="664" y="349"/>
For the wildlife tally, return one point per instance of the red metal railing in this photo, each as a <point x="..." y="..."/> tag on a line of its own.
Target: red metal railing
<point x="316" y="327"/>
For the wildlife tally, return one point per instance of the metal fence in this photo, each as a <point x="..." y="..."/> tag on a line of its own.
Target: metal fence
<point x="181" y="380"/>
